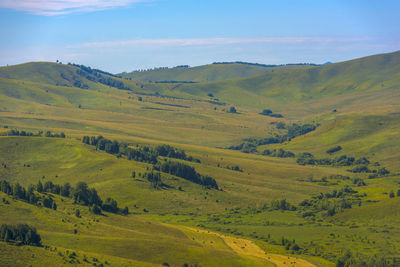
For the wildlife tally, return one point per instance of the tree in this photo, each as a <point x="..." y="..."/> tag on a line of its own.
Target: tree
<point x="110" y="205"/>
<point x="133" y="174"/>
<point x="7" y="236"/>
<point x="232" y="110"/>
<point x="95" y="209"/>
<point x="86" y="140"/>
<point x="81" y="192"/>
<point x="391" y="194"/>
<point x="39" y="187"/>
<point x="398" y="193"/>
<point x="78" y="213"/>
<point x="65" y="190"/>
<point x="266" y="112"/>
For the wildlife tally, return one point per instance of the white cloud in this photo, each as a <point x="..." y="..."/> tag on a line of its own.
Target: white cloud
<point x="61" y="7"/>
<point x="212" y="41"/>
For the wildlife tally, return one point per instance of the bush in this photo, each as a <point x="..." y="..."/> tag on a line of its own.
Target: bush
<point x="334" y="149"/>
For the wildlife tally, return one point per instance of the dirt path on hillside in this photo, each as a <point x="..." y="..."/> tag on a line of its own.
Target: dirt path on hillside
<point x="249" y="248"/>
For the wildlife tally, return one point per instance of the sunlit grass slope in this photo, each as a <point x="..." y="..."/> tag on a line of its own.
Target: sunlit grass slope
<point x="115" y="239"/>
<point x="356" y="103"/>
<point x="204" y="73"/>
<point x="274" y="89"/>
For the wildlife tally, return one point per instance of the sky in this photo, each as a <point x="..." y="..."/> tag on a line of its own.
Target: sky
<point x="127" y="35"/>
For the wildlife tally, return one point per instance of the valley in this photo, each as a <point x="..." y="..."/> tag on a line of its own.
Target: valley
<point x="306" y="163"/>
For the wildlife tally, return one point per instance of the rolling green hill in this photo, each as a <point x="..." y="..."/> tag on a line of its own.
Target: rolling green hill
<point x="205" y="73"/>
<point x="331" y="209"/>
<point x="378" y="73"/>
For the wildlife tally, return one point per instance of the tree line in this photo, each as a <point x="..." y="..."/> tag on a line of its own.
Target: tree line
<point x="21" y="234"/>
<point x="81" y="194"/>
<point x="27" y="195"/>
<point x="143" y="153"/>
<point x="361" y="165"/>
<point x="150" y="155"/>
<point x="263" y="65"/>
<point x="96" y="75"/>
<point x="249" y="145"/>
<point x="186" y="172"/>
<point x="280" y="153"/>
<point x="39" y="133"/>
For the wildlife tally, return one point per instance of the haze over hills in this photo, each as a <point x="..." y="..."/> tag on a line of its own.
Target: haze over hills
<point x="305" y="163"/>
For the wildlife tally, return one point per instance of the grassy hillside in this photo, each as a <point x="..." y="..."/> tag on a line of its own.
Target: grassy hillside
<point x="237" y="210"/>
<point x="112" y="240"/>
<point x="355" y="104"/>
<point x="343" y="81"/>
<point x="205" y="73"/>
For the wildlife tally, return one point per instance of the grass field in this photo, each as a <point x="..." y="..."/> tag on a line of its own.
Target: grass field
<point x="184" y="222"/>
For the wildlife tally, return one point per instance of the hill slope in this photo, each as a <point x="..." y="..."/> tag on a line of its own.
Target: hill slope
<point x="205" y="73"/>
<point x="378" y="73"/>
<point x="355" y="103"/>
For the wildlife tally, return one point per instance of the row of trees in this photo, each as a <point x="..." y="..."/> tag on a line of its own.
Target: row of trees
<point x="81" y="194"/>
<point x="295" y="129"/>
<point x="249" y="145"/>
<point x="186" y="172"/>
<point x="27" y="195"/>
<point x="22" y="234"/>
<point x="40" y="133"/>
<point x="150" y="155"/>
<point x="142" y="154"/>
<point x="280" y="153"/>
<point x="173" y="152"/>
<point x="86" y="196"/>
<point x="360" y="164"/>
<point x="307" y="158"/>
<point x="96" y="76"/>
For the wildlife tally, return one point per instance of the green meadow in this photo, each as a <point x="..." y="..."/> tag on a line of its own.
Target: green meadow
<point x="353" y="104"/>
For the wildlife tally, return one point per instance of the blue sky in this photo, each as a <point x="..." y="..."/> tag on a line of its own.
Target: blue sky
<point x="124" y="35"/>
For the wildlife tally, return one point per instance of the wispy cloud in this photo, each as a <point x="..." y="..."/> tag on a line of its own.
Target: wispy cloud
<point x="213" y="41"/>
<point x="61" y="7"/>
